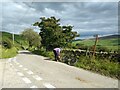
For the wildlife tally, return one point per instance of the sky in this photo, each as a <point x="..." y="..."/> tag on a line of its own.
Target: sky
<point x="88" y="18"/>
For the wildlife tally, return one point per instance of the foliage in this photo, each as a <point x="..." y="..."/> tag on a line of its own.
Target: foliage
<point x="103" y="49"/>
<point x="32" y="37"/>
<point x="53" y="34"/>
<point x="43" y="52"/>
<point x="7" y="43"/>
<point x="104" y="67"/>
<point x="7" y="53"/>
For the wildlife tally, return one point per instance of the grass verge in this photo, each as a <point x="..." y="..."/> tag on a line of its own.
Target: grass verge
<point x="8" y="53"/>
<point x="44" y="53"/>
<point x="104" y="67"/>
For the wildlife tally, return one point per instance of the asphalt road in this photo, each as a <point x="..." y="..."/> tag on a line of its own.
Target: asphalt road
<point x="27" y="70"/>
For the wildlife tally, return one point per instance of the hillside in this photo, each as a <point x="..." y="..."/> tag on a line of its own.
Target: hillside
<point x="111" y="42"/>
<point x="110" y="37"/>
<point x="19" y="41"/>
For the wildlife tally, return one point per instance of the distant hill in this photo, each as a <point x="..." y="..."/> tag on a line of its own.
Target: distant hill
<point x="110" y="37"/>
<point x="111" y="42"/>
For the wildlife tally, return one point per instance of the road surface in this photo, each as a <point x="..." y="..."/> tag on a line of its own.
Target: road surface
<point x="27" y="70"/>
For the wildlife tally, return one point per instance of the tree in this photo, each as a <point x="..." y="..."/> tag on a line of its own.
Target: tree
<point x="32" y="37"/>
<point x="53" y="34"/>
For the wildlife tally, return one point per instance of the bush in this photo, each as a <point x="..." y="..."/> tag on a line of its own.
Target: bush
<point x="103" y="49"/>
<point x="7" y="43"/>
<point x="8" y="53"/>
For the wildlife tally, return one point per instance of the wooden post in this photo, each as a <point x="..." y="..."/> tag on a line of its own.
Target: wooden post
<point x="94" y="48"/>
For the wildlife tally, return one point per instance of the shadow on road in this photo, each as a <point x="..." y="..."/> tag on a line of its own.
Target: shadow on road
<point x="25" y="52"/>
<point x="47" y="59"/>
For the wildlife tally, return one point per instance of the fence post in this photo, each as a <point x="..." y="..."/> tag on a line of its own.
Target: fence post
<point x="94" y="48"/>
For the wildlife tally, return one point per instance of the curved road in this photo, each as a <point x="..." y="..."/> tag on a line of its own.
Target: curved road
<point x="27" y="70"/>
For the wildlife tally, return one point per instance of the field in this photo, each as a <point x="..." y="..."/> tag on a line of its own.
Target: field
<point x="19" y="43"/>
<point x="111" y="44"/>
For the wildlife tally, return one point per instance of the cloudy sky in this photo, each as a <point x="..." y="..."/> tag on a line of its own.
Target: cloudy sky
<point x="88" y="18"/>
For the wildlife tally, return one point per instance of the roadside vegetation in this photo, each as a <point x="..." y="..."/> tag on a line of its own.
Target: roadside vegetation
<point x="8" y="53"/>
<point x="102" y="66"/>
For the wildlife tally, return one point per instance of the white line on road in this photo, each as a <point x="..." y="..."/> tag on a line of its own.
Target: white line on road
<point x="20" y="74"/>
<point x="30" y="72"/>
<point x="17" y="63"/>
<point x="34" y="86"/>
<point x="20" y="65"/>
<point x="9" y="60"/>
<point x="47" y="85"/>
<point x="14" y="59"/>
<point x="11" y="64"/>
<point x="16" y="70"/>
<point x="26" y="80"/>
<point x="25" y="69"/>
<point x="37" y="77"/>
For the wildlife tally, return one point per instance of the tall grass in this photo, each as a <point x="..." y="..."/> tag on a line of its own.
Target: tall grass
<point x="8" y="53"/>
<point x="44" y="53"/>
<point x="104" y="67"/>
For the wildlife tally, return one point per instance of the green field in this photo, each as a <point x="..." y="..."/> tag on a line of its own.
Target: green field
<point x="19" y="43"/>
<point x="111" y="44"/>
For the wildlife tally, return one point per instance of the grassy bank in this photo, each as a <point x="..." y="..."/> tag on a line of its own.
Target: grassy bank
<point x="104" y="67"/>
<point x="8" y="53"/>
<point x="44" y="53"/>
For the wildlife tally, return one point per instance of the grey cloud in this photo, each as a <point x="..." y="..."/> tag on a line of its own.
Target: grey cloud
<point x="86" y="17"/>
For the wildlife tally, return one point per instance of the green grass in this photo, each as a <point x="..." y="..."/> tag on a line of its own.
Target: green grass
<point x="8" y="53"/>
<point x="19" y="44"/>
<point x="44" y="53"/>
<point x="111" y="44"/>
<point x="104" y="67"/>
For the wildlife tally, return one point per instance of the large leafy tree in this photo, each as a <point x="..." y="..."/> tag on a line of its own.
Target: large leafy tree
<point x="53" y="34"/>
<point x="32" y="37"/>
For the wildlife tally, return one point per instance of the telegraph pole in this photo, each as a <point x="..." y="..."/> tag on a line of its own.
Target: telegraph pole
<point x="94" y="48"/>
<point x="13" y="37"/>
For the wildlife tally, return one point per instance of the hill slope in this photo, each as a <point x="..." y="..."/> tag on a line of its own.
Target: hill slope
<point x="111" y="42"/>
<point x="18" y="40"/>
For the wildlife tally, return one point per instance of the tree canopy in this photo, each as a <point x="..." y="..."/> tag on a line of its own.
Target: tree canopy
<point x="53" y="34"/>
<point x="32" y="37"/>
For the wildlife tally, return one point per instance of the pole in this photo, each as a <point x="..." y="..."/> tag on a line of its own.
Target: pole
<point x="95" y="45"/>
<point x="13" y="36"/>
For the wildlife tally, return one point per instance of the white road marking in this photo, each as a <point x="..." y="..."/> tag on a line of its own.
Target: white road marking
<point x="17" y="63"/>
<point x="47" y="85"/>
<point x="11" y="64"/>
<point x="34" y="86"/>
<point x="37" y="77"/>
<point x="20" y="65"/>
<point x="16" y="70"/>
<point x="9" y="60"/>
<point x="25" y="69"/>
<point x="14" y="59"/>
<point x="26" y="80"/>
<point x="20" y="74"/>
<point x="30" y="72"/>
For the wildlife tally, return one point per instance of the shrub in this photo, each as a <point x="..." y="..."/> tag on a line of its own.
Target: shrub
<point x="103" y="49"/>
<point x="7" y="43"/>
